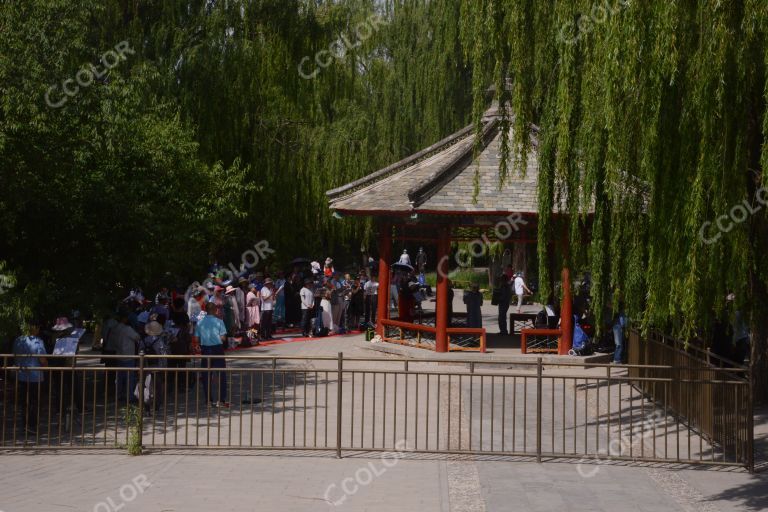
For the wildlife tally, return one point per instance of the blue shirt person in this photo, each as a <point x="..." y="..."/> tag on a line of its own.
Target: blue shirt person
<point x="210" y="333"/>
<point x="210" y="330"/>
<point x="33" y="345"/>
<point x="28" y="351"/>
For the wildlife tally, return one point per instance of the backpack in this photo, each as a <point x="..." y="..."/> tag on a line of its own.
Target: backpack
<point x="581" y="344"/>
<point x="155" y="345"/>
<point x="148" y="348"/>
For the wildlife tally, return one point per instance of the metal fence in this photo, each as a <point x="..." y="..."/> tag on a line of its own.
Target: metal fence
<point x="722" y="414"/>
<point x="530" y="409"/>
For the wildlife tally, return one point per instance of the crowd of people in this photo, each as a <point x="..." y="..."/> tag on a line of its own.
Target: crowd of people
<point x="220" y="312"/>
<point x="312" y="300"/>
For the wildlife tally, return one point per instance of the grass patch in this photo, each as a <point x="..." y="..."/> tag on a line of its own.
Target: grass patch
<point x="134" y="430"/>
<point x="463" y="278"/>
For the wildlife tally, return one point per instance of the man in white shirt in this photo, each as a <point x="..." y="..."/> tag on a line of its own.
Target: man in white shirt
<point x="267" y="308"/>
<point x="307" y="297"/>
<point x="520" y="290"/>
<point x="404" y="258"/>
<point x="371" y="290"/>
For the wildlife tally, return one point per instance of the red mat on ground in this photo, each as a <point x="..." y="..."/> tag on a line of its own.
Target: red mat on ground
<point x="282" y="341"/>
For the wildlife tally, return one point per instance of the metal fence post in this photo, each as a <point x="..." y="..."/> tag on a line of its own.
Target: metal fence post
<point x="750" y="421"/>
<point x="538" y="410"/>
<point x="140" y="424"/>
<point x="338" y="404"/>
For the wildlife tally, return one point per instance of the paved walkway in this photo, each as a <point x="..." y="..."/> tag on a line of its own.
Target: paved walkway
<point x="233" y="481"/>
<point x="237" y="480"/>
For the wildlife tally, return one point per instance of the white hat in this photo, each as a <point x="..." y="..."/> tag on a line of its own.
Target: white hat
<point x="62" y="324"/>
<point x="153" y="328"/>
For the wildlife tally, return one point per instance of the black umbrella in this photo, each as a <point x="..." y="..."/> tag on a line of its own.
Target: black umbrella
<point x="300" y="261"/>
<point x="402" y="266"/>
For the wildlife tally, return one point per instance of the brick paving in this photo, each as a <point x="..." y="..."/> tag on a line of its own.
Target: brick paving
<point x="230" y="479"/>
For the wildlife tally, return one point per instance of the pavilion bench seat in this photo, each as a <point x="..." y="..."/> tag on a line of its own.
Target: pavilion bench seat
<point x="540" y="340"/>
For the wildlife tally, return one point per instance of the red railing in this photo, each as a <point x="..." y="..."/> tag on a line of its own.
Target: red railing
<point x="467" y="330"/>
<point x="524" y="333"/>
<point x="419" y="329"/>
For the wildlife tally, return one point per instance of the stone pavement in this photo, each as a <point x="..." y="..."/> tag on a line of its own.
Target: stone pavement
<point x="237" y="481"/>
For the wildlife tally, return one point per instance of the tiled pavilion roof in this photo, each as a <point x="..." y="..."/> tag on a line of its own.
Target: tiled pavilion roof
<point x="439" y="180"/>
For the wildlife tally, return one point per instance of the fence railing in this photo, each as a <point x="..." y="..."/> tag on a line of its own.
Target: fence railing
<point x="722" y="414"/>
<point x="460" y="338"/>
<point x="541" y="411"/>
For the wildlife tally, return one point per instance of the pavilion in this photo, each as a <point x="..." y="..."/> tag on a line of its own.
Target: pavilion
<point x="429" y="197"/>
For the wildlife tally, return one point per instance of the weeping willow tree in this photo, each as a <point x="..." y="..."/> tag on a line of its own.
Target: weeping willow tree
<point x="213" y="134"/>
<point x="310" y="94"/>
<point x="652" y="118"/>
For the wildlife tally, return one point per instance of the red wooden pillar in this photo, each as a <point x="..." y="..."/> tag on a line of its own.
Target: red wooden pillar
<point x="441" y="320"/>
<point x="385" y="255"/>
<point x="566" y="314"/>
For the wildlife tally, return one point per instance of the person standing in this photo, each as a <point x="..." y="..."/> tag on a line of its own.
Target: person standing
<point x="307" y="297"/>
<point x="293" y="299"/>
<point x="474" y="301"/>
<point x="394" y="290"/>
<point x="337" y="302"/>
<point x="503" y="297"/>
<point x="356" y="304"/>
<point x="326" y="312"/>
<point x="155" y="343"/>
<point x="328" y="267"/>
<point x="619" y="324"/>
<point x="371" y="300"/>
<point x="252" y="313"/>
<point x="406" y="302"/>
<point x="279" y="311"/>
<point x="404" y="258"/>
<point x="210" y="335"/>
<point x="520" y="290"/>
<point x="421" y="266"/>
<point x="29" y="351"/>
<point x="267" y="308"/>
<point x="232" y="311"/>
<point x="126" y="344"/>
<point x="160" y="307"/>
<point x="180" y="344"/>
<point x="240" y="293"/>
<point x="196" y="306"/>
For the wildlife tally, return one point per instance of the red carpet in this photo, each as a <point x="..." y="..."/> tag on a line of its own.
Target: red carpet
<point x="282" y="341"/>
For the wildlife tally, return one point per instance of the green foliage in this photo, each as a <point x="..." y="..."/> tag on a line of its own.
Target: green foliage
<point x="205" y="139"/>
<point x="131" y="416"/>
<point x="652" y="114"/>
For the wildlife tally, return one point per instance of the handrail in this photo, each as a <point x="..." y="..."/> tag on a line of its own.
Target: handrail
<point x="471" y="330"/>
<point x="410" y="326"/>
<point x="537" y="332"/>
<point x="377" y="359"/>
